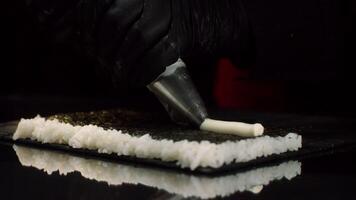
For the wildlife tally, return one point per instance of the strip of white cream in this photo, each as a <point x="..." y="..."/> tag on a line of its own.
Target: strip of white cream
<point x="176" y="183"/>
<point x="234" y="128"/>
<point x="186" y="154"/>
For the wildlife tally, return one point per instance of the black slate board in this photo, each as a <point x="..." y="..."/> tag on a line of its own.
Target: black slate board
<point x="320" y="135"/>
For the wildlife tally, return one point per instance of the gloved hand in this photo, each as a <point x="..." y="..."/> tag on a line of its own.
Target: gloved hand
<point x="139" y="38"/>
<point x="136" y="39"/>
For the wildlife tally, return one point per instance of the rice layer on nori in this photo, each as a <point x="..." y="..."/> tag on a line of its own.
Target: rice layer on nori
<point x="149" y="136"/>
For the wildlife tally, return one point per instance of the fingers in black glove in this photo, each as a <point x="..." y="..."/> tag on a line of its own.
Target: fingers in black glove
<point x="114" y="25"/>
<point x="140" y="57"/>
<point x="134" y="45"/>
<point x="136" y="39"/>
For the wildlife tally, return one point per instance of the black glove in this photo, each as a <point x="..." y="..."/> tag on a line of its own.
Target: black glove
<point x="140" y="38"/>
<point x="136" y="39"/>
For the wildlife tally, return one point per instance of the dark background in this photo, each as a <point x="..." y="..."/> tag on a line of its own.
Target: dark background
<point x="304" y="47"/>
<point x="304" y="63"/>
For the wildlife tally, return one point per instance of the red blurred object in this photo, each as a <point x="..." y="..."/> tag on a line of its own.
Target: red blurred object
<point x="234" y="89"/>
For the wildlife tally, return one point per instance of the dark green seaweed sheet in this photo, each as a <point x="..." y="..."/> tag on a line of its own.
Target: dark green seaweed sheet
<point x="139" y="123"/>
<point x="316" y="141"/>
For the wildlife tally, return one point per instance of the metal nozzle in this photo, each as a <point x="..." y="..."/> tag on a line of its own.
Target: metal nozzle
<point x="176" y="91"/>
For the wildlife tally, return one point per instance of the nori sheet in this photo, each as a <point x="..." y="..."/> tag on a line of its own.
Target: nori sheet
<point x="138" y="123"/>
<point x="159" y="127"/>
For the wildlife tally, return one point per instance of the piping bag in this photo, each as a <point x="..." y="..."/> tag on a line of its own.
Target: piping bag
<point x="177" y="93"/>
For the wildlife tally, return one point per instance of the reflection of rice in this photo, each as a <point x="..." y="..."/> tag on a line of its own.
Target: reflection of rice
<point x="182" y="184"/>
<point x="190" y="154"/>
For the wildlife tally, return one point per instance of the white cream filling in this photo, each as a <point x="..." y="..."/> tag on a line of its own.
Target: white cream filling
<point x="176" y="183"/>
<point x="186" y="154"/>
<point x="234" y="128"/>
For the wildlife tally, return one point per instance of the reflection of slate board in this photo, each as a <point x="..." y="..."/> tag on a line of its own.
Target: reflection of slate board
<point x="319" y="134"/>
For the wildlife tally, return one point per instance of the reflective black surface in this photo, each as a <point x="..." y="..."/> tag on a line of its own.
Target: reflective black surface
<point x="329" y="177"/>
